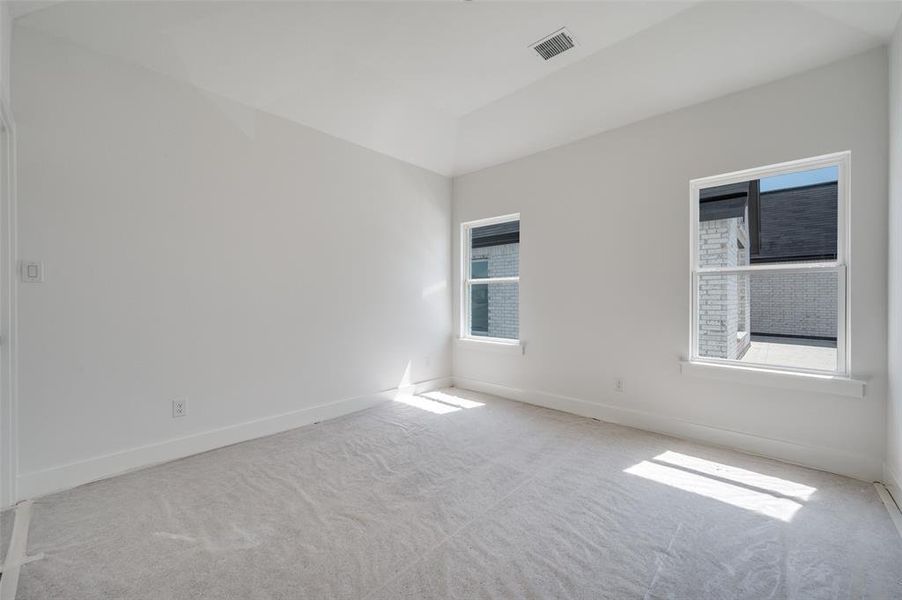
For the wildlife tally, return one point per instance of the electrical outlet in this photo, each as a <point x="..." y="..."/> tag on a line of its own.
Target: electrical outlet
<point x="179" y="408"/>
<point x="618" y="384"/>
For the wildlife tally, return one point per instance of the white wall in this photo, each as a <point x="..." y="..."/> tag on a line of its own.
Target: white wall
<point x="7" y="439"/>
<point x="6" y="27"/>
<point x="605" y="268"/>
<point x="197" y="248"/>
<point x="893" y="467"/>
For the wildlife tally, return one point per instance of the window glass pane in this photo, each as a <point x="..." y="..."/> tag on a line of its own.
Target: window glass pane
<point x="479" y="310"/>
<point x="479" y="268"/>
<point x="784" y="218"/>
<point x="769" y="318"/>
<point x="499" y="246"/>
<point x="495" y="310"/>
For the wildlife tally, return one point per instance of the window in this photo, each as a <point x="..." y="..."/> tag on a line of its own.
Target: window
<point x="769" y="266"/>
<point x="491" y="279"/>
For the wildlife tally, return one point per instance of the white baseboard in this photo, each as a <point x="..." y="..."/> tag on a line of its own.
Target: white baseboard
<point x="54" y="479"/>
<point x="892" y="508"/>
<point x="832" y="460"/>
<point x="892" y="484"/>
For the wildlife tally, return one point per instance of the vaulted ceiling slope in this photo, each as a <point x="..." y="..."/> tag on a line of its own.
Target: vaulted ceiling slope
<point x="453" y="86"/>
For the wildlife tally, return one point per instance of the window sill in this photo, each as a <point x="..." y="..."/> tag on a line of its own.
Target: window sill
<point x="806" y="382"/>
<point x="492" y="345"/>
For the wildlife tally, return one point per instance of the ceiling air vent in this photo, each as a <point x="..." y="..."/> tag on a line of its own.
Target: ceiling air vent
<point x="550" y="46"/>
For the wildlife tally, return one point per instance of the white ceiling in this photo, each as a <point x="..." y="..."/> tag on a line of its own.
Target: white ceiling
<point x="453" y="86"/>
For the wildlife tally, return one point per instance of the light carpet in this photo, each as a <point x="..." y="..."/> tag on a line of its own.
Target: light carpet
<point x="460" y="495"/>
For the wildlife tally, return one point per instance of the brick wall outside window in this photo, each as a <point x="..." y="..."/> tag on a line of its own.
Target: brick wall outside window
<point x="504" y="298"/>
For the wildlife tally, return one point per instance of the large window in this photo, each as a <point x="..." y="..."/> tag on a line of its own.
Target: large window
<point x="490" y="272"/>
<point x="769" y="261"/>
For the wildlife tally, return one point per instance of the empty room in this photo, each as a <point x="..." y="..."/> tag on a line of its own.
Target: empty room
<point x="464" y="299"/>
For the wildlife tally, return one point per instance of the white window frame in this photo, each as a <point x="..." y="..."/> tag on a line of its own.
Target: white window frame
<point x="466" y="281"/>
<point x="841" y="160"/>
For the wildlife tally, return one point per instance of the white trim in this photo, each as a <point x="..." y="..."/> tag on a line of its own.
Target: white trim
<point x="70" y="475"/>
<point x="833" y="460"/>
<point x="9" y="454"/>
<point x="782" y="267"/>
<point x="891" y="507"/>
<point x="492" y="344"/>
<point x="483" y="280"/>
<point x="491" y="220"/>
<point x="772" y="377"/>
<point x="466" y="281"/>
<point x="892" y="483"/>
<point x="841" y="160"/>
<point x="815" y="162"/>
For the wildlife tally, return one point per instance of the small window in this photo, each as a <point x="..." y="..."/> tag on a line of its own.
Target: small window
<point x="491" y="279"/>
<point x="769" y="266"/>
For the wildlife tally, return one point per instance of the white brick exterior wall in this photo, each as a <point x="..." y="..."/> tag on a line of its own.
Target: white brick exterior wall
<point x="730" y="306"/>
<point x="723" y="300"/>
<point x="504" y="298"/>
<point x="794" y="304"/>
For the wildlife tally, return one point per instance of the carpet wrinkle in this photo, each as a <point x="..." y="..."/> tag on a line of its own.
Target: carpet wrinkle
<point x="582" y="548"/>
<point x="7" y="518"/>
<point x="498" y="501"/>
<point x="659" y="560"/>
<point x="445" y="540"/>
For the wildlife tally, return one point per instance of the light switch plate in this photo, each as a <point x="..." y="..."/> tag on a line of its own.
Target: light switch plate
<point x="31" y="271"/>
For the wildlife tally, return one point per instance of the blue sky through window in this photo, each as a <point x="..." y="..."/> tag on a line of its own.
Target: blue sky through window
<point x="792" y="180"/>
